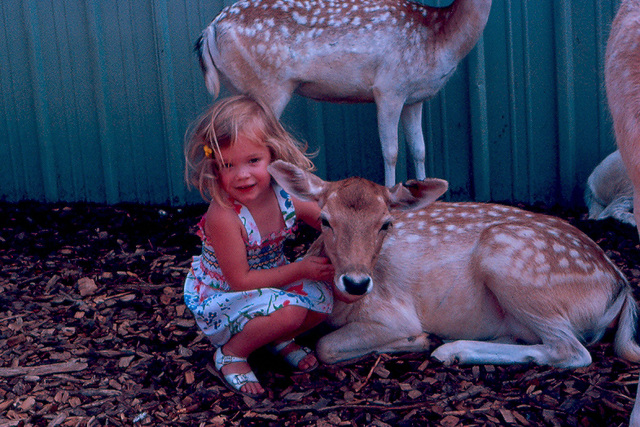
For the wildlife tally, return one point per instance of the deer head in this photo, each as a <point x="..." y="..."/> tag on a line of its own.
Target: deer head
<point x="356" y="218"/>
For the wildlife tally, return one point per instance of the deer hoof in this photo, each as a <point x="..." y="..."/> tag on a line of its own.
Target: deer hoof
<point x="445" y="354"/>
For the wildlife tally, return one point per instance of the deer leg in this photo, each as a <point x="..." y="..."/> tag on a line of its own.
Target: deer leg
<point x="388" y="118"/>
<point x="279" y="102"/>
<point x="276" y="96"/>
<point x="358" y="339"/>
<point x="412" y="124"/>
<point x="562" y="355"/>
<point x="620" y="209"/>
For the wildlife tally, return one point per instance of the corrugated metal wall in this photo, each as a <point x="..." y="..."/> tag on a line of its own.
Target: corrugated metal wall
<point x="95" y="97"/>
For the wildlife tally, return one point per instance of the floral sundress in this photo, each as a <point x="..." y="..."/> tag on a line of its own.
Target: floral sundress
<point x="221" y="313"/>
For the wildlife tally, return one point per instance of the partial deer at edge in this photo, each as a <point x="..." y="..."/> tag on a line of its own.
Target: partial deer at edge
<point x="392" y="52"/>
<point x="622" y="79"/>
<point x="609" y="192"/>
<point x="505" y="285"/>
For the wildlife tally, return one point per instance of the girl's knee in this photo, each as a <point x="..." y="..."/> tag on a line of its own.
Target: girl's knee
<point x="291" y="315"/>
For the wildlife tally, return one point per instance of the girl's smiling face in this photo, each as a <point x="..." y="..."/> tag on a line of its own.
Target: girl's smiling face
<point x="243" y="172"/>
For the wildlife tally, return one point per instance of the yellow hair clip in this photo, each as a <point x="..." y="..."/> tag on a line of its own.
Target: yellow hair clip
<point x="208" y="152"/>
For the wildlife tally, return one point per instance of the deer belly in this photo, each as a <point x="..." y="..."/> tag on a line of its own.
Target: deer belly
<point x="334" y="91"/>
<point x="466" y="311"/>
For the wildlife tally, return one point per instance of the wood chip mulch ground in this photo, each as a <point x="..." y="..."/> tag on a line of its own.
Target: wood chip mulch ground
<point x="94" y="332"/>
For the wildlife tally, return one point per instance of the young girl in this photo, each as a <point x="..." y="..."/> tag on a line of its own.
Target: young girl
<point x="241" y="289"/>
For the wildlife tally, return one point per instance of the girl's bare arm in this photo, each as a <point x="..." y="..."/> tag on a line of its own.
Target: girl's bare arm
<point x="225" y="233"/>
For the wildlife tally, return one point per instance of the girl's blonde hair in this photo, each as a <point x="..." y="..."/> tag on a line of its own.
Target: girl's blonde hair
<point x="219" y="128"/>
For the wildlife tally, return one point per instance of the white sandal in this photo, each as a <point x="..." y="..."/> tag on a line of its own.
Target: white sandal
<point x="294" y="357"/>
<point x="234" y="381"/>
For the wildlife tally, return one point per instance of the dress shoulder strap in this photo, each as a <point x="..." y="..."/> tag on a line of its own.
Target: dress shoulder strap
<point x="286" y="206"/>
<point x="253" y="234"/>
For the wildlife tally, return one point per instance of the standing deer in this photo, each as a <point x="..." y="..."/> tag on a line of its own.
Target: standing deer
<point x="622" y="79"/>
<point x="609" y="192"/>
<point x="392" y="52"/>
<point x="505" y="285"/>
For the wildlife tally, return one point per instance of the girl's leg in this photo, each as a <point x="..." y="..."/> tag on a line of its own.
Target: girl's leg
<point x="312" y="319"/>
<point x="258" y="332"/>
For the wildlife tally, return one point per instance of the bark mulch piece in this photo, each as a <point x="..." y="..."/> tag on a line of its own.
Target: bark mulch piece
<point x="93" y="332"/>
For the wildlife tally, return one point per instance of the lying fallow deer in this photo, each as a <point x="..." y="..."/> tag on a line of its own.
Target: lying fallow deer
<point x="622" y="78"/>
<point x="609" y="192"/>
<point x="508" y="286"/>
<point x="392" y="52"/>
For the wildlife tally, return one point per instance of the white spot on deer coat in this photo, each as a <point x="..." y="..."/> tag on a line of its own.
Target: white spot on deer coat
<point x="540" y="258"/>
<point x="539" y="244"/>
<point x="284" y="30"/>
<point x="543" y="268"/>
<point x="413" y="238"/>
<point x="508" y="240"/>
<point x="583" y="265"/>
<point x="563" y="263"/>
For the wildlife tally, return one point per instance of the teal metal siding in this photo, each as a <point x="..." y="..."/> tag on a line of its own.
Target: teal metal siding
<point x="95" y="98"/>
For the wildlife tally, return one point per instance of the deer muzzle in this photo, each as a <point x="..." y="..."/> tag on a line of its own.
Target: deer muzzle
<point x="355" y="284"/>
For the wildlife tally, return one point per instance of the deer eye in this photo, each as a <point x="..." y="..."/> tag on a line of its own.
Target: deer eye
<point x="386" y="225"/>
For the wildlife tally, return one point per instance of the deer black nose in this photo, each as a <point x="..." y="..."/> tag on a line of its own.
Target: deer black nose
<point x="358" y="285"/>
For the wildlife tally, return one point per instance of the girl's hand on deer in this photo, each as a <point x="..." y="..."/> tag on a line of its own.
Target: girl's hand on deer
<point x="318" y="268"/>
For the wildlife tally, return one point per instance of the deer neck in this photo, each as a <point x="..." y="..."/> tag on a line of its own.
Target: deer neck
<point x="463" y="25"/>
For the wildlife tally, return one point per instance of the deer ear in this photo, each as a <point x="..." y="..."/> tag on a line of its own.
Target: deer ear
<point x="417" y="194"/>
<point x="297" y="182"/>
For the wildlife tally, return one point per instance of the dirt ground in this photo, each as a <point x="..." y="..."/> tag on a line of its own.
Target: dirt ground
<point x="94" y="332"/>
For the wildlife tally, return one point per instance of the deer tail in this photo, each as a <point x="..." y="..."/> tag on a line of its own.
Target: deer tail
<point x="625" y="342"/>
<point x="203" y="47"/>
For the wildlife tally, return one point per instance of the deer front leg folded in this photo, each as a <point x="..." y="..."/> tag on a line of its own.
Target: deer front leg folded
<point x="359" y="339"/>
